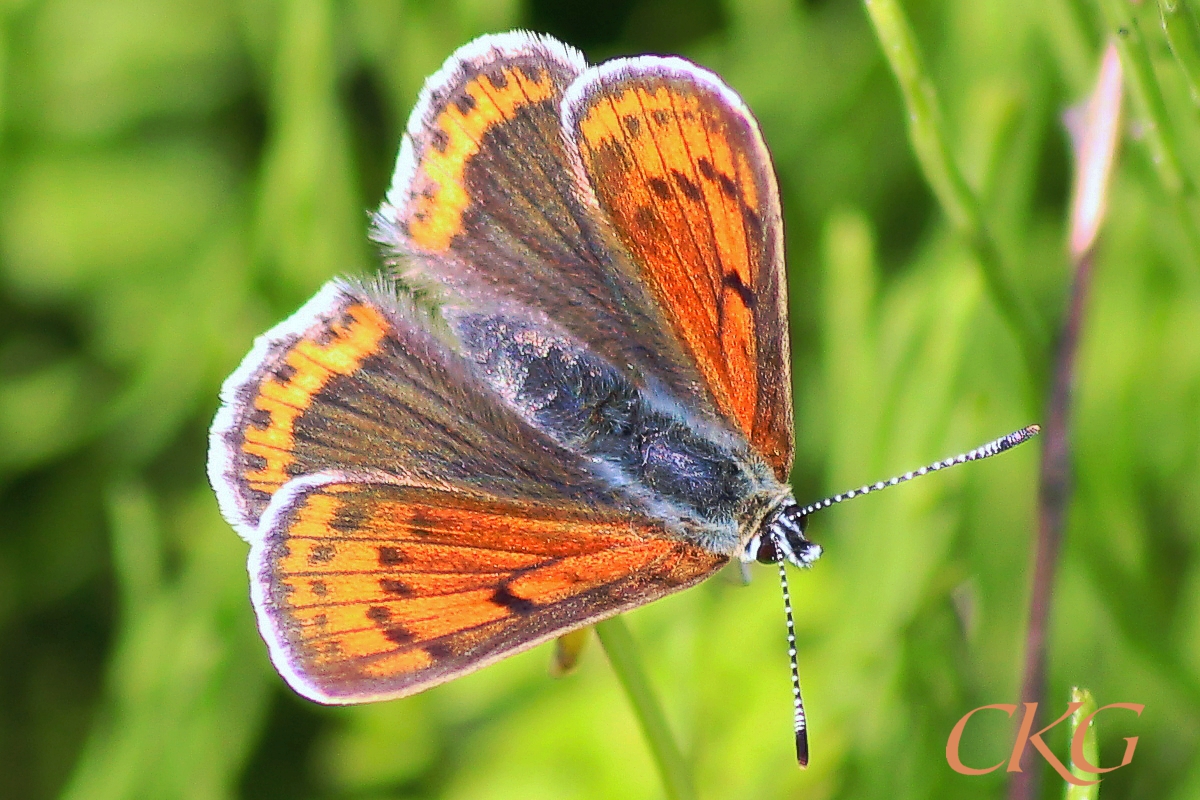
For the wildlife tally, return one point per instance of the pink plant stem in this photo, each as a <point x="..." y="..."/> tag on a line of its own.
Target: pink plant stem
<point x="1095" y="147"/>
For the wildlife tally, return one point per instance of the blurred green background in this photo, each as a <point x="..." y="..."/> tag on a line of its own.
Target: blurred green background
<point x="178" y="175"/>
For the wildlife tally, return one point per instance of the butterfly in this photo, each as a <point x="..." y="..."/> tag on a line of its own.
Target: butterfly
<point x="597" y="412"/>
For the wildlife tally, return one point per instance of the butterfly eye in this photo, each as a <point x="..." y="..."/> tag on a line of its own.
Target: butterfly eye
<point x="767" y="553"/>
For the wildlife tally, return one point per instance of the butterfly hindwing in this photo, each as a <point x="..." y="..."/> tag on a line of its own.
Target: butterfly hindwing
<point x="677" y="163"/>
<point x="368" y="589"/>
<point x="485" y="205"/>
<point x="355" y="380"/>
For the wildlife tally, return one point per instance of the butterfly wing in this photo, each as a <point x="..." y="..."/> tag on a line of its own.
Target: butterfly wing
<point x="368" y="589"/>
<point x="355" y="380"/>
<point x="676" y="162"/>
<point x="484" y="203"/>
<point x="633" y="204"/>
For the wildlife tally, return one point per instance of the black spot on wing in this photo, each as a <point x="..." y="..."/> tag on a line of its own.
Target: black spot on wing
<point x="728" y="187"/>
<point x="465" y="103"/>
<point x="733" y="280"/>
<point x="395" y="587"/>
<point x="532" y="74"/>
<point x="518" y="605"/>
<point x="390" y="556"/>
<point x="686" y="185"/>
<point x="396" y="634"/>
<point x="259" y="418"/>
<point x="438" y="650"/>
<point x="348" y="518"/>
<point x="645" y="217"/>
<point x="322" y="554"/>
<point x="752" y="220"/>
<point x="422" y="524"/>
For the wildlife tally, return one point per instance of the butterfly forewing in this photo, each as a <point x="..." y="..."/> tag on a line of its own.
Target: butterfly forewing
<point x="485" y="204"/>
<point x="368" y="590"/>
<point x="356" y="381"/>
<point x="674" y="159"/>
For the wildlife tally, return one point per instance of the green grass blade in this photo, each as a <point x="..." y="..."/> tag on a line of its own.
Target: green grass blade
<point x="1159" y="133"/>
<point x="1091" y="748"/>
<point x="622" y="654"/>
<point x="1179" y="24"/>
<point x="930" y="143"/>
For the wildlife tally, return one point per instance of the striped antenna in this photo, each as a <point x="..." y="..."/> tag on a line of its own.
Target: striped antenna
<point x="784" y="541"/>
<point x="799" y="720"/>
<point x="985" y="451"/>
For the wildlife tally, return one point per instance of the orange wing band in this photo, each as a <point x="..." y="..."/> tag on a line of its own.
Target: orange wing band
<point x="369" y="590"/>
<point x="285" y="394"/>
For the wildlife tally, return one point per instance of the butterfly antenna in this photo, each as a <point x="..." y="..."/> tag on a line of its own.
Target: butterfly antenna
<point x="799" y="720"/>
<point x="984" y="451"/>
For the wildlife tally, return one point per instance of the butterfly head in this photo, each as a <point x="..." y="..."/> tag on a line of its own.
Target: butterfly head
<point x="781" y="538"/>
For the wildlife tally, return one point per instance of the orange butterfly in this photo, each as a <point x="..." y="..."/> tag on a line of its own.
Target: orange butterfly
<point x="599" y="415"/>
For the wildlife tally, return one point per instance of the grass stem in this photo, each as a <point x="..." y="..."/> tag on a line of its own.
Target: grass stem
<point x="930" y="143"/>
<point x="622" y="653"/>
<point x="1183" y="35"/>
<point x="1148" y="101"/>
<point x="1094" y="157"/>
<point x="1091" y="747"/>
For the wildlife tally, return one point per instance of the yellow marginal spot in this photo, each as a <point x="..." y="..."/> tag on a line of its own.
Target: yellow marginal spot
<point x="364" y="628"/>
<point x="327" y="554"/>
<point x="314" y="516"/>
<point x="666" y="134"/>
<point x="335" y="651"/>
<point x="306" y="591"/>
<point x="333" y="619"/>
<point x="434" y="220"/>
<point x="398" y="663"/>
<point x="355" y="336"/>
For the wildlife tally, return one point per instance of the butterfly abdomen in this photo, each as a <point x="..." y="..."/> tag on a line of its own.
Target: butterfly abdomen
<point x="696" y="475"/>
